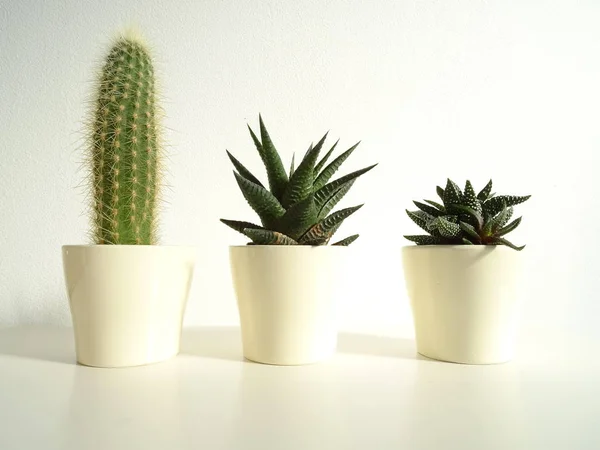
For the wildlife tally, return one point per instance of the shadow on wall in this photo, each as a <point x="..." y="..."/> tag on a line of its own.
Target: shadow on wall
<point x="42" y="342"/>
<point x="56" y="344"/>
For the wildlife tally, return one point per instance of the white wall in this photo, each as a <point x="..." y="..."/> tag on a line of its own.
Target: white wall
<point x="479" y="89"/>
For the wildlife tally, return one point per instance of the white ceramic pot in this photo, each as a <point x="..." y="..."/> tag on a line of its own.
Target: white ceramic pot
<point x="287" y="300"/>
<point x="464" y="301"/>
<point x="127" y="301"/>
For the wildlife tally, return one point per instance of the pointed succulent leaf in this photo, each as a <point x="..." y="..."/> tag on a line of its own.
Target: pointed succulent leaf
<point x="334" y="199"/>
<point x="262" y="201"/>
<point x="504" y="221"/>
<point x="421" y="218"/>
<point x="242" y="170"/>
<point x="436" y="204"/>
<point x="323" y="194"/>
<point x="429" y="209"/>
<point x="466" y="241"/>
<point x="502" y="241"/>
<point x="347" y="241"/>
<point x="426" y="239"/>
<point x="452" y="193"/>
<point x="440" y="192"/>
<point x="492" y="224"/>
<point x="240" y="226"/>
<point x="494" y="205"/>
<point x="508" y="228"/>
<point x="278" y="178"/>
<point x="324" y="160"/>
<point x="470" y="199"/>
<point x="300" y="185"/>
<point x="292" y="165"/>
<point x="322" y="231"/>
<point x="299" y="218"/>
<point x="471" y="231"/>
<point x="268" y="237"/>
<point x="448" y="229"/>
<point x="485" y="192"/>
<point x="328" y="171"/>
<point x="474" y="216"/>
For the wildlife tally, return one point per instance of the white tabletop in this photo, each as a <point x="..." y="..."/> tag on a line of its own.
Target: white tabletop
<point x="376" y="393"/>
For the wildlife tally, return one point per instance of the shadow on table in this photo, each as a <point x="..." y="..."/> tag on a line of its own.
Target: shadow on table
<point x="212" y="342"/>
<point x="225" y="343"/>
<point x="366" y="344"/>
<point x="45" y="343"/>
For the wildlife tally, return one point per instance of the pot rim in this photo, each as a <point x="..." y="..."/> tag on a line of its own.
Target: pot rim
<point x="124" y="246"/>
<point x="459" y="247"/>
<point x="293" y="247"/>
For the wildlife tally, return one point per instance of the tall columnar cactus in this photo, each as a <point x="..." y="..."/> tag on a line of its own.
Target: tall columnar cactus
<point x="125" y="147"/>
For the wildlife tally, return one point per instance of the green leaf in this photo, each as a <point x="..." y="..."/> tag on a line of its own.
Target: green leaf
<point x="485" y="192"/>
<point x="440" y="192"/>
<point x="242" y="170"/>
<point x="301" y="183"/>
<point x="436" y="204"/>
<point x="347" y="241"/>
<point x="466" y="241"/>
<point x="447" y="229"/>
<point x="426" y="239"/>
<point x="470" y="199"/>
<point x="328" y="171"/>
<point x="268" y="237"/>
<point x="322" y="232"/>
<point x="262" y="201"/>
<point x="299" y="218"/>
<point x="471" y="231"/>
<point x="334" y="199"/>
<point x="421" y="218"/>
<point x="240" y="226"/>
<point x="292" y="165"/>
<point x="508" y="228"/>
<point x="324" y="160"/>
<point x="494" y="205"/>
<point x="477" y="218"/>
<point x="429" y="209"/>
<point x="275" y="171"/>
<point x="452" y="194"/>
<point x="508" y="244"/>
<point x="492" y="224"/>
<point x="325" y="193"/>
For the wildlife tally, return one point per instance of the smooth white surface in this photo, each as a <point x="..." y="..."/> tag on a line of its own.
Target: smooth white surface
<point x="479" y="89"/>
<point x="287" y="298"/>
<point x="465" y="301"/>
<point x="374" y="394"/>
<point x="127" y="301"/>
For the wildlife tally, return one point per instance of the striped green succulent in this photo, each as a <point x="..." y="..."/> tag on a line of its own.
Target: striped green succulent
<point x="466" y="218"/>
<point x="296" y="208"/>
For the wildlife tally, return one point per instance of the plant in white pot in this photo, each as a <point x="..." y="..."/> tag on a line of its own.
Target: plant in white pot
<point x="463" y="276"/>
<point x="286" y="280"/>
<point x="127" y="295"/>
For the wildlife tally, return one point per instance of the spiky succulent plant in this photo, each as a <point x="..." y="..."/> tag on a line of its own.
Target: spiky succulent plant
<point x="295" y="210"/>
<point x="466" y="218"/>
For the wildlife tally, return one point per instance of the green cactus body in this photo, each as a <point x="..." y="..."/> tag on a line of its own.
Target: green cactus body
<point x="125" y="148"/>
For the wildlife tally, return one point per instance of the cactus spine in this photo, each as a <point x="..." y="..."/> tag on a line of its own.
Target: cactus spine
<point x="125" y="148"/>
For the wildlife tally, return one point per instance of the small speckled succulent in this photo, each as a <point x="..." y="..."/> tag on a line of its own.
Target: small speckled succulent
<point x="295" y="210"/>
<point x="466" y="218"/>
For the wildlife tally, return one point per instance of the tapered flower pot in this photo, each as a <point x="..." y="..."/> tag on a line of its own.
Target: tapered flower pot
<point x="464" y="301"/>
<point x="127" y="301"/>
<point x="286" y="298"/>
